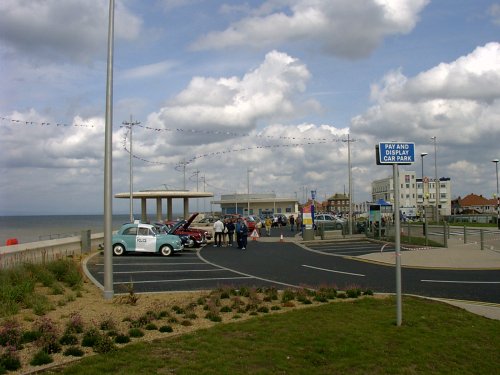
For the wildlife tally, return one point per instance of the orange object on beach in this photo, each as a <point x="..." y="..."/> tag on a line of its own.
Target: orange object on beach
<point x="11" y="241"/>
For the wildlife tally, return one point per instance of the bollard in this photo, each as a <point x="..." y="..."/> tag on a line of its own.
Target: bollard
<point x="85" y="241"/>
<point x="481" y="234"/>
<point x="465" y="233"/>
<point x="446" y="229"/>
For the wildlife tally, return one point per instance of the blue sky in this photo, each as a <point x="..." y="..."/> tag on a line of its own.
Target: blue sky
<point x="218" y="83"/>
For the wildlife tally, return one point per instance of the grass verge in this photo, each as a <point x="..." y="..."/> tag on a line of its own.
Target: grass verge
<point x="358" y="337"/>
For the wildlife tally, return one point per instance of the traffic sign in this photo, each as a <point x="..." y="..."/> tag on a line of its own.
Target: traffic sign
<point x="396" y="153"/>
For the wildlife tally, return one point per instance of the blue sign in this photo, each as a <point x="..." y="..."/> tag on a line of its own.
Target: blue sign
<point x="396" y="152"/>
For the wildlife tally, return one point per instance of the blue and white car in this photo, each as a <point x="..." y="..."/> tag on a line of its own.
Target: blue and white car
<point x="144" y="238"/>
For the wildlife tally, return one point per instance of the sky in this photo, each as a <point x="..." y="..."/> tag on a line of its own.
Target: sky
<point x="238" y="96"/>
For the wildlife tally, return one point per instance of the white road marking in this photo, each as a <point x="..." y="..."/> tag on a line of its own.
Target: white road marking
<point x="327" y="270"/>
<point x="163" y="271"/>
<point x="460" y="282"/>
<point x="181" y="280"/>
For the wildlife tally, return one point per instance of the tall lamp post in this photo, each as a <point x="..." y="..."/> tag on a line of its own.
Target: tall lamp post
<point x="498" y="197"/>
<point x="422" y="155"/>
<point x="436" y="182"/>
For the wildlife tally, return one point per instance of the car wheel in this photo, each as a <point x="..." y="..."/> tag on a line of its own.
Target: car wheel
<point x="166" y="250"/>
<point x="338" y="226"/>
<point x="118" y="250"/>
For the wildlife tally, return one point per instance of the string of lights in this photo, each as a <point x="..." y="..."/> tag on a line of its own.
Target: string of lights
<point x="57" y="124"/>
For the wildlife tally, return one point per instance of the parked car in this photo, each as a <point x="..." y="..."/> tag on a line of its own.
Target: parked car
<point x="251" y="223"/>
<point x="199" y="236"/>
<point x="206" y="222"/>
<point x="162" y="228"/>
<point x="329" y="221"/>
<point x="144" y="238"/>
<point x="284" y="219"/>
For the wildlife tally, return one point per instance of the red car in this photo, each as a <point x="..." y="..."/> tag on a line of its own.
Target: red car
<point x="199" y="236"/>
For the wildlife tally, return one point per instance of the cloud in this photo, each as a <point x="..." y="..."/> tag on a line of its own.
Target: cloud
<point x="231" y="103"/>
<point x="494" y="12"/>
<point x="146" y="71"/>
<point x="339" y="27"/>
<point x="74" y="30"/>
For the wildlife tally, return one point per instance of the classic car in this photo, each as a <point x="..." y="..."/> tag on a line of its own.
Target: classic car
<point x="187" y="241"/>
<point x="182" y="227"/>
<point x="144" y="238"/>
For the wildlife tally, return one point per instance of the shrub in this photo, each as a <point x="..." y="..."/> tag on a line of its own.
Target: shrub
<point x="167" y="328"/>
<point x="74" y="351"/>
<point x="48" y="339"/>
<point x="41" y="358"/>
<point x="10" y="334"/>
<point x="68" y="339"/>
<point x="107" y="324"/>
<point x="104" y="344"/>
<point x="10" y="361"/>
<point x="288" y="295"/>
<point x="191" y="316"/>
<point x="263" y="309"/>
<point x="151" y="327"/>
<point x="90" y="337"/>
<point x="122" y="339"/>
<point x="30" y="336"/>
<point x="275" y="308"/>
<point x="75" y="323"/>
<point x="135" y="332"/>
<point x="213" y="316"/>
<point x="186" y="323"/>
<point x="40" y="304"/>
<point x="353" y="293"/>
<point x="226" y="309"/>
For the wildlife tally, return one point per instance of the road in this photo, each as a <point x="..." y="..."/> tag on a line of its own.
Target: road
<point x="286" y="264"/>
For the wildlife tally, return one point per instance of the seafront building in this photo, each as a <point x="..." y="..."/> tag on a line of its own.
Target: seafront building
<point x="257" y="204"/>
<point x="416" y="194"/>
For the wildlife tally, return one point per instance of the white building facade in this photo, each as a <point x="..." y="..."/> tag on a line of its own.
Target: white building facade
<point x="415" y="194"/>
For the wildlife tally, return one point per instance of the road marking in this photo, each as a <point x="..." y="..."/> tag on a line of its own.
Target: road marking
<point x="150" y="264"/>
<point x="460" y="282"/>
<point x="162" y="271"/>
<point x="180" y="280"/>
<point x="327" y="270"/>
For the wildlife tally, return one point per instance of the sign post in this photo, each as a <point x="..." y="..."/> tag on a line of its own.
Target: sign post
<point x="396" y="153"/>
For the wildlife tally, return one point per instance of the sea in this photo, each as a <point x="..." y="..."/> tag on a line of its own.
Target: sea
<point x="46" y="227"/>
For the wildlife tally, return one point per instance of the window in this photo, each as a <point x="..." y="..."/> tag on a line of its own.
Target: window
<point x="144" y="232"/>
<point x="130" y="231"/>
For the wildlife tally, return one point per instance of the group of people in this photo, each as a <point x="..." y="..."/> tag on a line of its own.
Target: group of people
<point x="225" y="231"/>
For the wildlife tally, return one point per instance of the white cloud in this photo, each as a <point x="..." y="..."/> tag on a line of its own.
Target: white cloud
<point x="67" y="30"/>
<point x="340" y="27"/>
<point x="494" y="12"/>
<point x="146" y="71"/>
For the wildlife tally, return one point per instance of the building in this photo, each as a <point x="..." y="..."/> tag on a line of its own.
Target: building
<point x="257" y="204"/>
<point x="475" y="204"/>
<point x="415" y="194"/>
<point x="338" y="204"/>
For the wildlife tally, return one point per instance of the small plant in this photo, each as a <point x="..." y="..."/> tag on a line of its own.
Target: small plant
<point x="226" y="309"/>
<point x="48" y="339"/>
<point x="288" y="295"/>
<point x="9" y="360"/>
<point x="57" y="289"/>
<point x="75" y="323"/>
<point x="275" y="308"/>
<point x="107" y="324"/>
<point x="68" y="339"/>
<point x="104" y="344"/>
<point x="191" y="316"/>
<point x="90" y="337"/>
<point x="166" y="329"/>
<point x="74" y="351"/>
<point x="263" y="309"/>
<point x="10" y="334"/>
<point x="41" y="358"/>
<point x="131" y="298"/>
<point x="288" y="304"/>
<point x="353" y="293"/>
<point x="122" y="339"/>
<point x="236" y="316"/>
<point x="30" y="336"/>
<point x="368" y="292"/>
<point x="186" y="323"/>
<point x="213" y="316"/>
<point x="135" y="332"/>
<point x="151" y="327"/>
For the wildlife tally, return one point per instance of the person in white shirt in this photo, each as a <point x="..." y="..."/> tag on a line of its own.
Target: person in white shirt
<point x="218" y="229"/>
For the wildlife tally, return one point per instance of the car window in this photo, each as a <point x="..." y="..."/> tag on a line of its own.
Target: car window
<point x="144" y="232"/>
<point x="132" y="231"/>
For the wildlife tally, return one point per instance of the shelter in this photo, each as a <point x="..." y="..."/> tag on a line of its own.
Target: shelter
<point x="159" y="195"/>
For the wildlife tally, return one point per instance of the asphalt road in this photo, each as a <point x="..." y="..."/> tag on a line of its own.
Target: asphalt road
<point x="285" y="264"/>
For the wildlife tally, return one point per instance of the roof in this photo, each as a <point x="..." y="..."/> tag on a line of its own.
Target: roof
<point x="473" y="200"/>
<point x="166" y="194"/>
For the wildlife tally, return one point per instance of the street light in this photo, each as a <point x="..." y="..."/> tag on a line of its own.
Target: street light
<point x="422" y="155"/>
<point x="498" y="197"/>
<point x="436" y="182"/>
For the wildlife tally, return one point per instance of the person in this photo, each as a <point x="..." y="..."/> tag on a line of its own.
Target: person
<point x="225" y="233"/>
<point x="299" y="223"/>
<point x="241" y="234"/>
<point x="275" y="221"/>
<point x="258" y="225"/>
<point x="230" y="231"/>
<point x="268" y="223"/>
<point x="218" y="229"/>
<point x="292" y="222"/>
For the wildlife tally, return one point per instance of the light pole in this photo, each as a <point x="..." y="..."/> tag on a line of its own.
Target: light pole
<point x="436" y="182"/>
<point x="248" y="190"/>
<point x="498" y="197"/>
<point x="422" y="155"/>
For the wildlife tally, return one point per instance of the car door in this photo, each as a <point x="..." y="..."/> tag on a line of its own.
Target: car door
<point x="145" y="240"/>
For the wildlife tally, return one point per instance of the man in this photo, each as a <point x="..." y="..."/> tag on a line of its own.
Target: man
<point x="218" y="230"/>
<point x="241" y="234"/>
<point x="292" y="222"/>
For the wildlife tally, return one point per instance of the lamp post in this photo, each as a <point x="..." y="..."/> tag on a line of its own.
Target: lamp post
<point x="248" y="190"/>
<point x="436" y="182"/>
<point x="498" y="197"/>
<point x="422" y="155"/>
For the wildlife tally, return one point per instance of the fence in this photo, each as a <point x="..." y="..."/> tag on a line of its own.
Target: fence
<point x="46" y="251"/>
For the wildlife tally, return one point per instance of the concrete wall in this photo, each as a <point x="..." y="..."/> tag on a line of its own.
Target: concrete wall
<point x="46" y="251"/>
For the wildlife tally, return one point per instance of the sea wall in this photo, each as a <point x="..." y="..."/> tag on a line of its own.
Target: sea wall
<point x="49" y="250"/>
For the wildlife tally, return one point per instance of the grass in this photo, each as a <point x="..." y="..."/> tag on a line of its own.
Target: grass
<point x="358" y="337"/>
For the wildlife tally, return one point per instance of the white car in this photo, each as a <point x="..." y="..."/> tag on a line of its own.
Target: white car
<point x="328" y="221"/>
